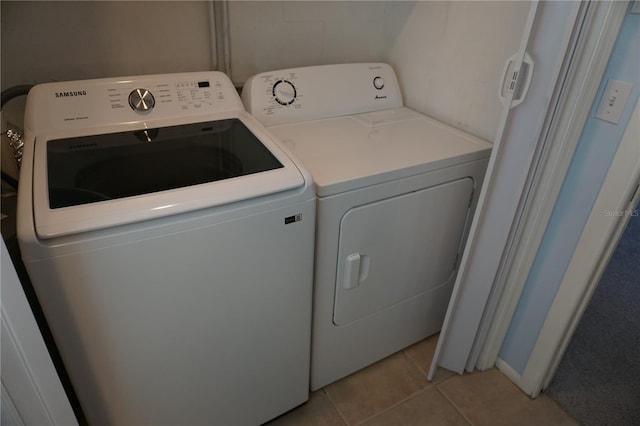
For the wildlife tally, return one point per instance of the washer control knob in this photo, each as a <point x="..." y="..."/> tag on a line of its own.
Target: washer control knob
<point x="284" y="92"/>
<point x="141" y="100"/>
<point x="378" y="83"/>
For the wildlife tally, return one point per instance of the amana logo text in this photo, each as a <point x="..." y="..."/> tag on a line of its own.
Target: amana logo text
<point x="68" y="94"/>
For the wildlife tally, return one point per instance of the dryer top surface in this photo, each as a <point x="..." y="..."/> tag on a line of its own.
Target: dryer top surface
<point x="356" y="151"/>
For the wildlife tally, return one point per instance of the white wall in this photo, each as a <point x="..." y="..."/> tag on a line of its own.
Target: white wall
<point x="449" y="58"/>
<point x="268" y="35"/>
<point x="57" y="41"/>
<point x="448" y="55"/>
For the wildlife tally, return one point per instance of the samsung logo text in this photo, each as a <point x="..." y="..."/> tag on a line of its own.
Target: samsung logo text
<point x="71" y="94"/>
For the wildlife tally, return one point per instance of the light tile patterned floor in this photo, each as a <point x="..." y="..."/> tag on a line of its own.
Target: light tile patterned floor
<point x="395" y="391"/>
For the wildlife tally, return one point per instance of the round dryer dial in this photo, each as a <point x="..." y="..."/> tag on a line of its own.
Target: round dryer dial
<point x="141" y="100"/>
<point x="378" y="83"/>
<point x="284" y="92"/>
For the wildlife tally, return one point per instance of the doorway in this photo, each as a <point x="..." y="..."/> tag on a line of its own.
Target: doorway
<point x="598" y="379"/>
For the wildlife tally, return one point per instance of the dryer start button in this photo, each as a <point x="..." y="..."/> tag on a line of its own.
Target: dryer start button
<point x="141" y="100"/>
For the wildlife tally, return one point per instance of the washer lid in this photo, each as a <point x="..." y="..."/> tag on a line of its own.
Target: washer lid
<point x="352" y="152"/>
<point x="85" y="182"/>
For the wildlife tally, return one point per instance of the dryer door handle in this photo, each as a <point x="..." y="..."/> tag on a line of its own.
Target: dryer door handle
<point x="356" y="270"/>
<point x="352" y="271"/>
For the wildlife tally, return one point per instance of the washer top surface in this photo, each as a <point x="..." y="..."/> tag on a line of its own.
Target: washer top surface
<point x="113" y="151"/>
<point x="356" y="151"/>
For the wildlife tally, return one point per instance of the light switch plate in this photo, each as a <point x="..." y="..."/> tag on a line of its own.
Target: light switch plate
<point x="613" y="101"/>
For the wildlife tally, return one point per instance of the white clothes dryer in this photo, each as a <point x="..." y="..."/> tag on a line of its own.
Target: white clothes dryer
<point x="396" y="194"/>
<point x="170" y="243"/>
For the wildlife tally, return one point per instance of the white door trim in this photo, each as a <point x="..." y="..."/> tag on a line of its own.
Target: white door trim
<point x="596" y="39"/>
<point x="599" y="238"/>
<point x="31" y="388"/>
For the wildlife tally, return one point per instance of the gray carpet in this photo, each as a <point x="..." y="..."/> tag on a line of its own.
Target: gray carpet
<point x="598" y="381"/>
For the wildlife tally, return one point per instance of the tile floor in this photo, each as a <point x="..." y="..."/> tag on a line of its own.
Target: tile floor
<point x="395" y="391"/>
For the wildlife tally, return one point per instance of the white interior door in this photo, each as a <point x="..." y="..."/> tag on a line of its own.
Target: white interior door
<point x="545" y="40"/>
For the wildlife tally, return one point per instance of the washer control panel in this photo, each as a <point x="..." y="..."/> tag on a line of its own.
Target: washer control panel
<point x="325" y="91"/>
<point x="186" y="94"/>
<point x="109" y="101"/>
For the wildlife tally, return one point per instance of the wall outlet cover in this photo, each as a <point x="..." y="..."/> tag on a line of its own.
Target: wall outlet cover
<point x="613" y="101"/>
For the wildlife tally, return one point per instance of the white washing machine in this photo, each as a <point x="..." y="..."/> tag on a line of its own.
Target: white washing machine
<point x="396" y="194"/>
<point x="170" y="243"/>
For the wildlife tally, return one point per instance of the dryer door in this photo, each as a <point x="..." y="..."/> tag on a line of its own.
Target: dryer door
<point x="394" y="249"/>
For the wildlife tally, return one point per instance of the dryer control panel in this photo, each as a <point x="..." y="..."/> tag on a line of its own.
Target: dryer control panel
<point x="90" y="103"/>
<point x="312" y="93"/>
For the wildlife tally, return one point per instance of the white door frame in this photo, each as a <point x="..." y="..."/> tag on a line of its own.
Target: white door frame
<point x="618" y="197"/>
<point x="598" y="35"/>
